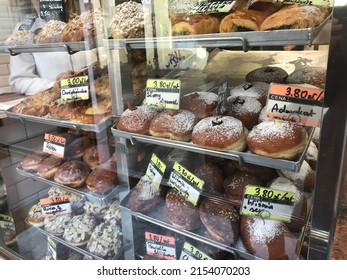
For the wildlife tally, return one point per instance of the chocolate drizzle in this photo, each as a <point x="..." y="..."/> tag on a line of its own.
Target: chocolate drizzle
<point x="217" y="121"/>
<point x="247" y="86"/>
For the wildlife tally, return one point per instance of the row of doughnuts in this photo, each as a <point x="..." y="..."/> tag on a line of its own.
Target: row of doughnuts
<point x="93" y="225"/>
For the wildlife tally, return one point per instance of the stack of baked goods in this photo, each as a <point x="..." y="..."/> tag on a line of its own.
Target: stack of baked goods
<point x="20" y="38"/>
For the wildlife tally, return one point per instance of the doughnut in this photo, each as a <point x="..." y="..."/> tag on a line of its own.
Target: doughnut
<point x="221" y="219"/>
<point x="220" y="133"/>
<point x="106" y="240"/>
<point x="136" y="119"/>
<point x="171" y="124"/>
<point x="77" y="148"/>
<point x="277" y="139"/>
<point x="56" y="224"/>
<point x="202" y="104"/>
<point x="257" y="90"/>
<point x="212" y="175"/>
<point x="35" y="216"/>
<point x="113" y="213"/>
<point x="304" y="179"/>
<point x="30" y="162"/>
<point x="263" y="172"/>
<point x="101" y="180"/>
<point x="144" y="196"/>
<point x="315" y="76"/>
<point x="97" y="155"/>
<point x="267" y="74"/>
<point x="96" y="209"/>
<point x="49" y="166"/>
<point x="268" y="239"/>
<point x="299" y="213"/>
<point x="180" y="212"/>
<point x="72" y="173"/>
<point x="79" y="230"/>
<point x="128" y="21"/>
<point x="234" y="186"/>
<point x="246" y="109"/>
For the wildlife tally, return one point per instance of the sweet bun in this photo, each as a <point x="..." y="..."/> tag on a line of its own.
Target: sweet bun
<point x="202" y="103"/>
<point x="246" y="109"/>
<point x="101" y="180"/>
<point x="268" y="239"/>
<point x="267" y="74"/>
<point x="49" y="166"/>
<point x="257" y="90"/>
<point x="277" y="139"/>
<point x="20" y="38"/>
<point x="172" y="124"/>
<point x="221" y="220"/>
<point x="315" y="76"/>
<point x="97" y="155"/>
<point x="212" y="175"/>
<point x="51" y="32"/>
<point x="136" y="119"/>
<point x="79" y="230"/>
<point x="31" y="162"/>
<point x="56" y="224"/>
<point x="304" y="179"/>
<point x="144" y="196"/>
<point x="234" y="186"/>
<point x="72" y="173"/>
<point x="180" y="212"/>
<point x="220" y="133"/>
<point x="35" y="216"/>
<point x="96" y="209"/>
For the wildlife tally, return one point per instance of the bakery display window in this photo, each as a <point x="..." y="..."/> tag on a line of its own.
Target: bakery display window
<point x="182" y="130"/>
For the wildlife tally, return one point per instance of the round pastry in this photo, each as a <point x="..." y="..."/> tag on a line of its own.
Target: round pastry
<point x="49" y="166"/>
<point x="180" y="212"/>
<point x="136" y="119"/>
<point x="128" y="21"/>
<point x="267" y="74"/>
<point x="172" y="124"/>
<point x="304" y="179"/>
<point x="315" y="76"/>
<point x="144" y="196"/>
<point x="203" y="104"/>
<point x="113" y="213"/>
<point x="79" y="229"/>
<point x="220" y="133"/>
<point x="106" y="240"/>
<point x="184" y="158"/>
<point x="268" y="239"/>
<point x="56" y="224"/>
<point x="311" y="155"/>
<point x="101" y="180"/>
<point x="299" y="212"/>
<point x="77" y="148"/>
<point x="246" y="109"/>
<point x="97" y="155"/>
<point x="20" y="38"/>
<point x="30" y="162"/>
<point x="95" y="209"/>
<point x="257" y="90"/>
<point x="234" y="186"/>
<point x="277" y="139"/>
<point x="263" y="172"/>
<point x="212" y="175"/>
<point x="221" y="220"/>
<point x="72" y="173"/>
<point x="51" y="32"/>
<point x="35" y="216"/>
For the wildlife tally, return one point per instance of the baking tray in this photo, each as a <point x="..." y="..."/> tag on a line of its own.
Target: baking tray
<point x="78" y="126"/>
<point x="241" y="157"/>
<point x="246" y="40"/>
<point x="104" y="198"/>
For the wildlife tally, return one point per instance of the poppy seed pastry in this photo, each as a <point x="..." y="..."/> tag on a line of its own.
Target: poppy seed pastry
<point x="267" y="74"/>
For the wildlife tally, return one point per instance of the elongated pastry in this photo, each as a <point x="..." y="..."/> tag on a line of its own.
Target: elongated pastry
<point x="243" y="20"/>
<point x="195" y="24"/>
<point x="295" y="17"/>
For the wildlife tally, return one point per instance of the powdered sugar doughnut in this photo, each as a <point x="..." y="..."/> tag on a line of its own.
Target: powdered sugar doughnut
<point x="268" y="74"/>
<point x="136" y="119"/>
<point x="277" y="139"/>
<point x="257" y="90"/>
<point x="246" y="109"/>
<point x="315" y="76"/>
<point x="202" y="104"/>
<point x="268" y="239"/>
<point x="220" y="133"/>
<point x="172" y="124"/>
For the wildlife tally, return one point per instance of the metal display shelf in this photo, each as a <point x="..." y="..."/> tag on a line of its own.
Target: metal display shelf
<point x="246" y="40"/>
<point x="75" y="125"/>
<point x="83" y="191"/>
<point x="241" y="157"/>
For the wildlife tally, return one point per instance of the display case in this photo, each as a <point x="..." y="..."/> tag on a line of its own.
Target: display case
<point x="169" y="113"/>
